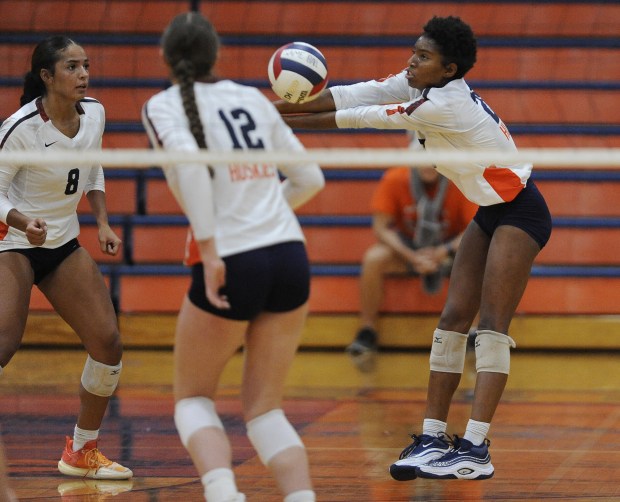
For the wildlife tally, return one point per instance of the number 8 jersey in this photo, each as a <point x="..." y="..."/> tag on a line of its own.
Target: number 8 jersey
<point x="51" y="193"/>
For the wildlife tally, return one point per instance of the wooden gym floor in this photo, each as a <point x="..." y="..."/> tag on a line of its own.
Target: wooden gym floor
<point x="555" y="435"/>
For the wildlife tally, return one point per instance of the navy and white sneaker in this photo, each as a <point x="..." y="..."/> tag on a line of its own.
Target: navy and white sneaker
<point x="463" y="461"/>
<point x="424" y="449"/>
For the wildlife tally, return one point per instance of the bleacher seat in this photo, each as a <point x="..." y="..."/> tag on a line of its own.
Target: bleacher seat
<point x="549" y="69"/>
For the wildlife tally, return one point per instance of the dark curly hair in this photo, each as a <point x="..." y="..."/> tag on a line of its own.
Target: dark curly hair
<point x="456" y="42"/>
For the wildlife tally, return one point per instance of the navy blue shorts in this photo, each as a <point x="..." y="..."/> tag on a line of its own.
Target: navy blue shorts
<point x="272" y="279"/>
<point x="527" y="211"/>
<point x="45" y="260"/>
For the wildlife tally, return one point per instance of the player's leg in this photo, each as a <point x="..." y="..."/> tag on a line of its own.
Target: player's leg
<point x="447" y="357"/>
<point x="507" y="271"/>
<point x="77" y="291"/>
<point x="378" y="261"/>
<point x="6" y="494"/>
<point x="204" y="343"/>
<point x="14" y="302"/>
<point x="272" y="342"/>
<point x="462" y="304"/>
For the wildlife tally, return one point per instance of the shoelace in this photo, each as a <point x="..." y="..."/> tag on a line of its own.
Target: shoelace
<point x="417" y="440"/>
<point x="95" y="459"/>
<point x="456" y="442"/>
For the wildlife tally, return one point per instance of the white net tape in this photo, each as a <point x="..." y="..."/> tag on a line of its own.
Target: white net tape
<point x="549" y="158"/>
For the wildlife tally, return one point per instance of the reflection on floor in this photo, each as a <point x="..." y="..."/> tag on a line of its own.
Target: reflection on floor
<point x="555" y="435"/>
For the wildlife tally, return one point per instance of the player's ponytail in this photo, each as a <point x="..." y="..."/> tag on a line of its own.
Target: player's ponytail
<point x="44" y="57"/>
<point x="190" y="45"/>
<point x="184" y="71"/>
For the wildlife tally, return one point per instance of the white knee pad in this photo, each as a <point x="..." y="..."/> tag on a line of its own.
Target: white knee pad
<point x="272" y="433"/>
<point x="100" y="379"/>
<point x="493" y="351"/>
<point x="448" y="351"/>
<point x="193" y="413"/>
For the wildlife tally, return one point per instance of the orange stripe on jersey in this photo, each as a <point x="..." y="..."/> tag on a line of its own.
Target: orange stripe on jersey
<point x="4" y="229"/>
<point x="192" y="253"/>
<point x="506" y="183"/>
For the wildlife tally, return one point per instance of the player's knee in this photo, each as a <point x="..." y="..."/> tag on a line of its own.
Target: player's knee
<point x="194" y="413"/>
<point x="271" y="433"/>
<point x="448" y="351"/>
<point x="493" y="351"/>
<point x="107" y="346"/>
<point x="100" y="379"/>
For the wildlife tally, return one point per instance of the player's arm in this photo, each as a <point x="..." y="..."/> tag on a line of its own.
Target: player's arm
<point x="35" y="229"/>
<point x="109" y="242"/>
<point x="323" y="103"/>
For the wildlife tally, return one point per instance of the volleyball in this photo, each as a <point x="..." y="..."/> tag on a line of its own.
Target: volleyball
<point x="297" y="72"/>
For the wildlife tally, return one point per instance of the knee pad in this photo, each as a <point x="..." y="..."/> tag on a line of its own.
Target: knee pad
<point x="100" y="379"/>
<point x="193" y="413"/>
<point x="272" y="433"/>
<point x="448" y="351"/>
<point x="493" y="351"/>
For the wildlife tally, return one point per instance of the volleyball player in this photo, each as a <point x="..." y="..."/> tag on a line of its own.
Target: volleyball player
<point x="38" y="237"/>
<point x="250" y="272"/>
<point x="493" y="263"/>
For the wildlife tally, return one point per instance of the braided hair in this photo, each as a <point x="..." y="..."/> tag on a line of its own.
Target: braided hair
<point x="44" y="57"/>
<point x="190" y="45"/>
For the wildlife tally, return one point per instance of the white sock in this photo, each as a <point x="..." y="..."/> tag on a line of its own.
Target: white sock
<point x="81" y="437"/>
<point x="476" y="432"/>
<point x="432" y="427"/>
<point x="301" y="496"/>
<point x="219" y="485"/>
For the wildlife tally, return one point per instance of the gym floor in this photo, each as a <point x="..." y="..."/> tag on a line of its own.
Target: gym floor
<point x="554" y="437"/>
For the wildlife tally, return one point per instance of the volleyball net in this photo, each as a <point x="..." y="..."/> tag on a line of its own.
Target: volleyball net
<point x="544" y="158"/>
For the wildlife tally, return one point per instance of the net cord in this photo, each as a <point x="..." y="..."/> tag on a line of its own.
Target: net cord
<point x="551" y="158"/>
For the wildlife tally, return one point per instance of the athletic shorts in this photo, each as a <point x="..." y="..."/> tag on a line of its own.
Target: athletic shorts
<point x="527" y="211"/>
<point x="270" y="279"/>
<point x="45" y="260"/>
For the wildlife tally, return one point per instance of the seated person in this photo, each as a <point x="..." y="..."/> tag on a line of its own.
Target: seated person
<point x="418" y="217"/>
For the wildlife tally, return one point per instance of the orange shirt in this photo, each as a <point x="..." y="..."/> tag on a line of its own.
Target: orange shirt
<point x="393" y="196"/>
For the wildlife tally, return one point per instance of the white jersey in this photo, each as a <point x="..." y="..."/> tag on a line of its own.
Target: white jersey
<point x="244" y="206"/>
<point x="50" y="193"/>
<point x="452" y="117"/>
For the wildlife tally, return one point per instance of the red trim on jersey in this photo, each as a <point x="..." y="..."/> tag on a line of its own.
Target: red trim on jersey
<point x="4" y="229"/>
<point x="414" y="106"/>
<point x="506" y="183"/>
<point x="146" y="114"/>
<point x="39" y="104"/>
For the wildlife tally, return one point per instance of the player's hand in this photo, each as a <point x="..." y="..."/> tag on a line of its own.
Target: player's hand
<point x="36" y="232"/>
<point x="109" y="242"/>
<point x="215" y="280"/>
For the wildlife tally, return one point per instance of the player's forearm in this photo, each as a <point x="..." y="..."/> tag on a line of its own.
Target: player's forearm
<point x="325" y="120"/>
<point x="96" y="199"/>
<point x="324" y="103"/>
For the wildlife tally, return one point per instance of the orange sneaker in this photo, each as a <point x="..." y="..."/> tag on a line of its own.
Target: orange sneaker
<point x="89" y="462"/>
